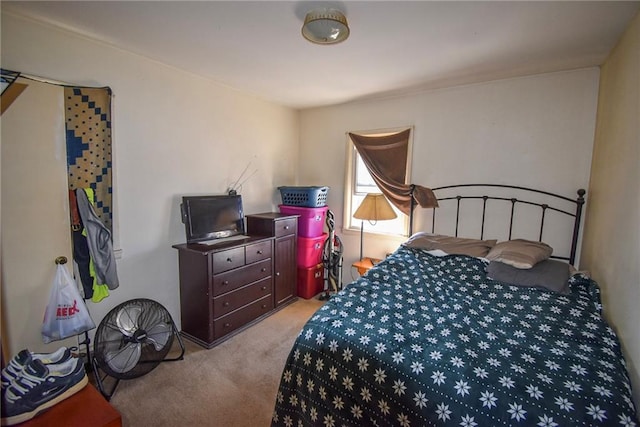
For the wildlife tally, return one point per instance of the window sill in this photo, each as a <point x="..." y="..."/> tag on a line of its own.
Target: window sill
<point x="356" y="232"/>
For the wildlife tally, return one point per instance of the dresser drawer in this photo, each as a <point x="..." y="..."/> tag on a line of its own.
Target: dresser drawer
<point x="226" y="282"/>
<point x="285" y="227"/>
<point x="258" y="251"/>
<point x="239" y="318"/>
<point x="231" y="301"/>
<point x="226" y="260"/>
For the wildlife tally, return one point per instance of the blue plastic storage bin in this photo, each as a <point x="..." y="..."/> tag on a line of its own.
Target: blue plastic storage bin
<point x="310" y="197"/>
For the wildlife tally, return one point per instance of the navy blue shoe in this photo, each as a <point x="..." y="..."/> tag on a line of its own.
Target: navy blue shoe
<point x="16" y="365"/>
<point x="40" y="387"/>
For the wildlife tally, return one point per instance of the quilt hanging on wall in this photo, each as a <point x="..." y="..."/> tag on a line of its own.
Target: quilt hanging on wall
<point x="88" y="136"/>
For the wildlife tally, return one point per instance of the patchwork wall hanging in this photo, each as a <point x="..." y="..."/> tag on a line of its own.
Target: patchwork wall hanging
<point x="88" y="136"/>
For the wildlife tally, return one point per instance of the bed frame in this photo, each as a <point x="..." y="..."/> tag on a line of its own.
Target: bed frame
<point x="554" y="201"/>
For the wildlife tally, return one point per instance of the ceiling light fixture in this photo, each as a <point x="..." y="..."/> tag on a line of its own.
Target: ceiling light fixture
<point x="325" y="26"/>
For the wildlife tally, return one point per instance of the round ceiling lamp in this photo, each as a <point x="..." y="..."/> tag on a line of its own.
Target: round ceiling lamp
<point x="325" y="26"/>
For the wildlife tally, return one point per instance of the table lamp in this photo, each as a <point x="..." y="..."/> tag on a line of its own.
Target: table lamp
<point x="373" y="208"/>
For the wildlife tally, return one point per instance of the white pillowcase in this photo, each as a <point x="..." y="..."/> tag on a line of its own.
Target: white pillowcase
<point x="437" y="252"/>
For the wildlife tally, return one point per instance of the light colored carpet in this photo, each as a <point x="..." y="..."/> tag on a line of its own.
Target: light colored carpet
<point x="233" y="384"/>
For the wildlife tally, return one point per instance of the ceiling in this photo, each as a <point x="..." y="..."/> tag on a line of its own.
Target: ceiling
<point x="395" y="47"/>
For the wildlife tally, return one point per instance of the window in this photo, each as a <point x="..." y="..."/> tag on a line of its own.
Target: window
<point x="359" y="183"/>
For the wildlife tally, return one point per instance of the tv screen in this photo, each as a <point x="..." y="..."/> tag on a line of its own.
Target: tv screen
<point x="212" y="217"/>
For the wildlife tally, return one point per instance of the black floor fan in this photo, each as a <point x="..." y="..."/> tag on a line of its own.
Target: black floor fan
<point x="132" y="339"/>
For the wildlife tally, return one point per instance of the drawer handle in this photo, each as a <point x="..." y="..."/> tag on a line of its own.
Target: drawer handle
<point x="225" y="304"/>
<point x="264" y="288"/>
<point x="226" y="282"/>
<point x="260" y="252"/>
<point x="226" y="325"/>
<point x="263" y="269"/>
<point x="264" y="305"/>
<point x="229" y="260"/>
<point x="286" y="227"/>
<point x="277" y="273"/>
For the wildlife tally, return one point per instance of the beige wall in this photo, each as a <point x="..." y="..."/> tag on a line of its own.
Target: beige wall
<point x="174" y="134"/>
<point x="611" y="246"/>
<point x="534" y="131"/>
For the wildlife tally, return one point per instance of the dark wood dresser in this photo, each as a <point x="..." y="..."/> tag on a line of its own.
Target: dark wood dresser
<point x="227" y="287"/>
<point x="284" y="230"/>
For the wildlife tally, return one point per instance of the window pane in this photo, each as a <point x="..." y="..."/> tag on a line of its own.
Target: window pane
<point x="365" y="184"/>
<point x="358" y="185"/>
<point x="364" y="181"/>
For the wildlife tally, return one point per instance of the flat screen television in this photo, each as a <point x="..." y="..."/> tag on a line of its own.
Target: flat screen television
<point x="212" y="217"/>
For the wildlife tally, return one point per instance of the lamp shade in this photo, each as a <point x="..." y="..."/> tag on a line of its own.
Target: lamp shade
<point x="325" y="26"/>
<point x="374" y="207"/>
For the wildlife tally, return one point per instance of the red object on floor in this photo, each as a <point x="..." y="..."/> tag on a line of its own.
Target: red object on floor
<point x="310" y="281"/>
<point x="85" y="408"/>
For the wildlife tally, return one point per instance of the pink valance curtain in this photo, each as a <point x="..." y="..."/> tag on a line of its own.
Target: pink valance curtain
<point x="386" y="159"/>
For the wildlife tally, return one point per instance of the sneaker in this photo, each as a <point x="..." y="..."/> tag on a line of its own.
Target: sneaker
<point x="14" y="369"/>
<point x="40" y="387"/>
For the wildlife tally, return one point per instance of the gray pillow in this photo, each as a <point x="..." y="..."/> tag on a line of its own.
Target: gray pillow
<point x="548" y="274"/>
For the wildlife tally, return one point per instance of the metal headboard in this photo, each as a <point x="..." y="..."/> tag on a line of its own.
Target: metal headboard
<point x="553" y="198"/>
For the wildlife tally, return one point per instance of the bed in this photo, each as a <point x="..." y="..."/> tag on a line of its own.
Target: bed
<point x="431" y="337"/>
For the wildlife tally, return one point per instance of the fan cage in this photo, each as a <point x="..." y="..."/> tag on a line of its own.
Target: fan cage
<point x="115" y="349"/>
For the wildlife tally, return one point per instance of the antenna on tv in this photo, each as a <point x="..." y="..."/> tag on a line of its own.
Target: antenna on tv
<point x="233" y="190"/>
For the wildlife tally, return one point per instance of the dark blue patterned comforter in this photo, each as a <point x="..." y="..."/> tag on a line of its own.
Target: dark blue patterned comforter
<point x="431" y="341"/>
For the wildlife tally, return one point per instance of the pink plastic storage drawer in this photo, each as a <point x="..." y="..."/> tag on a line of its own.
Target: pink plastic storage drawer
<point x="311" y="221"/>
<point x="310" y="281"/>
<point x="310" y="250"/>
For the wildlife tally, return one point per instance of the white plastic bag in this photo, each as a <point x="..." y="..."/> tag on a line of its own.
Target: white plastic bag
<point x="66" y="314"/>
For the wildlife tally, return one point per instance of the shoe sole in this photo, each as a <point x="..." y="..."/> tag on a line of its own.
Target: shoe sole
<point x="16" y="419"/>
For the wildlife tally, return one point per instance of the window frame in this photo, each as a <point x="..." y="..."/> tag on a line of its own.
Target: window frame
<point x="350" y="191"/>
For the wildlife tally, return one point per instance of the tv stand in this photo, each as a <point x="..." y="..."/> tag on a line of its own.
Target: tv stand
<point x="229" y="286"/>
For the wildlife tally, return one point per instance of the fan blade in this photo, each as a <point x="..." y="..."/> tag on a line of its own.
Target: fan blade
<point x="124" y="359"/>
<point x="127" y="319"/>
<point x="150" y="317"/>
<point x="159" y="335"/>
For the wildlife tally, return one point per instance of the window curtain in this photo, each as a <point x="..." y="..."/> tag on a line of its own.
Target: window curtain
<point x="88" y="136"/>
<point x="386" y="159"/>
